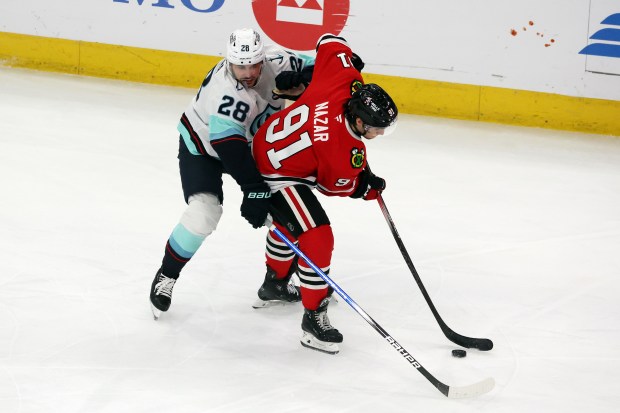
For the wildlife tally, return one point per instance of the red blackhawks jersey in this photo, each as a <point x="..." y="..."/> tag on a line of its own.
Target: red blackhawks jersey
<point x="310" y="142"/>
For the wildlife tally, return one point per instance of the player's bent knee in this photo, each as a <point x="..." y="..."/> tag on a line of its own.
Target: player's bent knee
<point x="202" y="214"/>
<point x="321" y="235"/>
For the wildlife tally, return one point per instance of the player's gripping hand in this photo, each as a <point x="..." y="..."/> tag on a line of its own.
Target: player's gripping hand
<point x="376" y="185"/>
<point x="370" y="185"/>
<point x="289" y="79"/>
<point x="290" y="84"/>
<point x="255" y="205"/>
<point x="290" y="94"/>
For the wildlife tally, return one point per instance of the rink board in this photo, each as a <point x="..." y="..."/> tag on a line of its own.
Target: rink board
<point x="414" y="96"/>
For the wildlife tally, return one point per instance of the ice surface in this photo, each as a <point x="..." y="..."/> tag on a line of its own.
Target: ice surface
<point x="515" y="232"/>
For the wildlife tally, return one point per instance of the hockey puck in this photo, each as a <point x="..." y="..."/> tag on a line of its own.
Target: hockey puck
<point x="459" y="353"/>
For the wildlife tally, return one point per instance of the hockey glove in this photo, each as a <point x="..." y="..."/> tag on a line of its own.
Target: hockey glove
<point x="255" y="205"/>
<point x="376" y="185"/>
<point x="370" y="185"/>
<point x="289" y="79"/>
<point x="290" y="94"/>
<point x="290" y="84"/>
<point x="358" y="63"/>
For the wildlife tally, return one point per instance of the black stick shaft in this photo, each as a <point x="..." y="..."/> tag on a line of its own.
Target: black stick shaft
<point x="483" y="344"/>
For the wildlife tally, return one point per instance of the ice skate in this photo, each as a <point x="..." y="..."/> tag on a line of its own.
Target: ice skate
<point x="161" y="293"/>
<point x="277" y="292"/>
<point x="318" y="333"/>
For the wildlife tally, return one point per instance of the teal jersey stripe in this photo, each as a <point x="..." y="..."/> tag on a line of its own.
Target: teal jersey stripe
<point x="187" y="139"/>
<point x="308" y="60"/>
<point x="220" y="128"/>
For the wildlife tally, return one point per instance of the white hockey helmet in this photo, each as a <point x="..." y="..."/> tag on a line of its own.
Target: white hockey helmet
<point x="245" y="47"/>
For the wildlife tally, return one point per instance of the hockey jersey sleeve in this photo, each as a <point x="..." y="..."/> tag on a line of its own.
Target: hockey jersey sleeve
<point x="228" y="140"/>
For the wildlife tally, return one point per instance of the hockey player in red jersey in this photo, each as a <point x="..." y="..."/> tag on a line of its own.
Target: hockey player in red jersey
<point x="317" y="142"/>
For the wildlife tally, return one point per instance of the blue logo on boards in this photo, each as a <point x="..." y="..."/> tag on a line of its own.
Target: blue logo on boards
<point x="608" y="35"/>
<point x="217" y="4"/>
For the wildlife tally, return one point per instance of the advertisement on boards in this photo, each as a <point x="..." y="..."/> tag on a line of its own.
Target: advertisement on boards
<point x="192" y="5"/>
<point x="525" y="45"/>
<point x="603" y="49"/>
<point x="297" y="24"/>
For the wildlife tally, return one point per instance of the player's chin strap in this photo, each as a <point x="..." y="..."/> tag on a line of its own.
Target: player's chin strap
<point x="452" y="392"/>
<point x="483" y="344"/>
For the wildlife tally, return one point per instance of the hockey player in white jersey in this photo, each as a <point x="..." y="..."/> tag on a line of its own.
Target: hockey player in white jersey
<point x="216" y="131"/>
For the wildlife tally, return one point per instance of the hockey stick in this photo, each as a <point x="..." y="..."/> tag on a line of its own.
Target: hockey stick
<point x="452" y="392"/>
<point x="483" y="344"/>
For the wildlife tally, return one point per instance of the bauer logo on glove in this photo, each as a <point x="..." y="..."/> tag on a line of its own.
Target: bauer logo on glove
<point x="259" y="195"/>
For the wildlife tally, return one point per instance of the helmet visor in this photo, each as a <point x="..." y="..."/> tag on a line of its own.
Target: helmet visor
<point x="381" y="131"/>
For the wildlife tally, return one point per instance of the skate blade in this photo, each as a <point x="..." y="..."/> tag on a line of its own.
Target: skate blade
<point x="311" y="342"/>
<point x="156" y="312"/>
<point x="270" y="303"/>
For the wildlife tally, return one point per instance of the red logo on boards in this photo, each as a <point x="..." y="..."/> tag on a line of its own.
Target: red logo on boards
<point x="298" y="24"/>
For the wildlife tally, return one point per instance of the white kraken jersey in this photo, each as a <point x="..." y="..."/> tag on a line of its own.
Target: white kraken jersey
<point x="224" y="107"/>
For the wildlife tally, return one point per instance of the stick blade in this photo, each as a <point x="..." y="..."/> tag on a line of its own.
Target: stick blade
<point x="482" y="344"/>
<point x="473" y="390"/>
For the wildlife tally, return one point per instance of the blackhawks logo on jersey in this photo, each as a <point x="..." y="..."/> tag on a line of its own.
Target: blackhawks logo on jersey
<point x="357" y="157"/>
<point x="355" y="86"/>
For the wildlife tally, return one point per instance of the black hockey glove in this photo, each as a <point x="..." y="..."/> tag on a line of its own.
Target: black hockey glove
<point x="290" y="84"/>
<point x="255" y="205"/>
<point x="289" y="79"/>
<point x="376" y="185"/>
<point x="358" y="63"/>
<point x="370" y="185"/>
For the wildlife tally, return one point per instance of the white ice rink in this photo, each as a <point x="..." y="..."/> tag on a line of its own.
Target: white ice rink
<point x="514" y="231"/>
